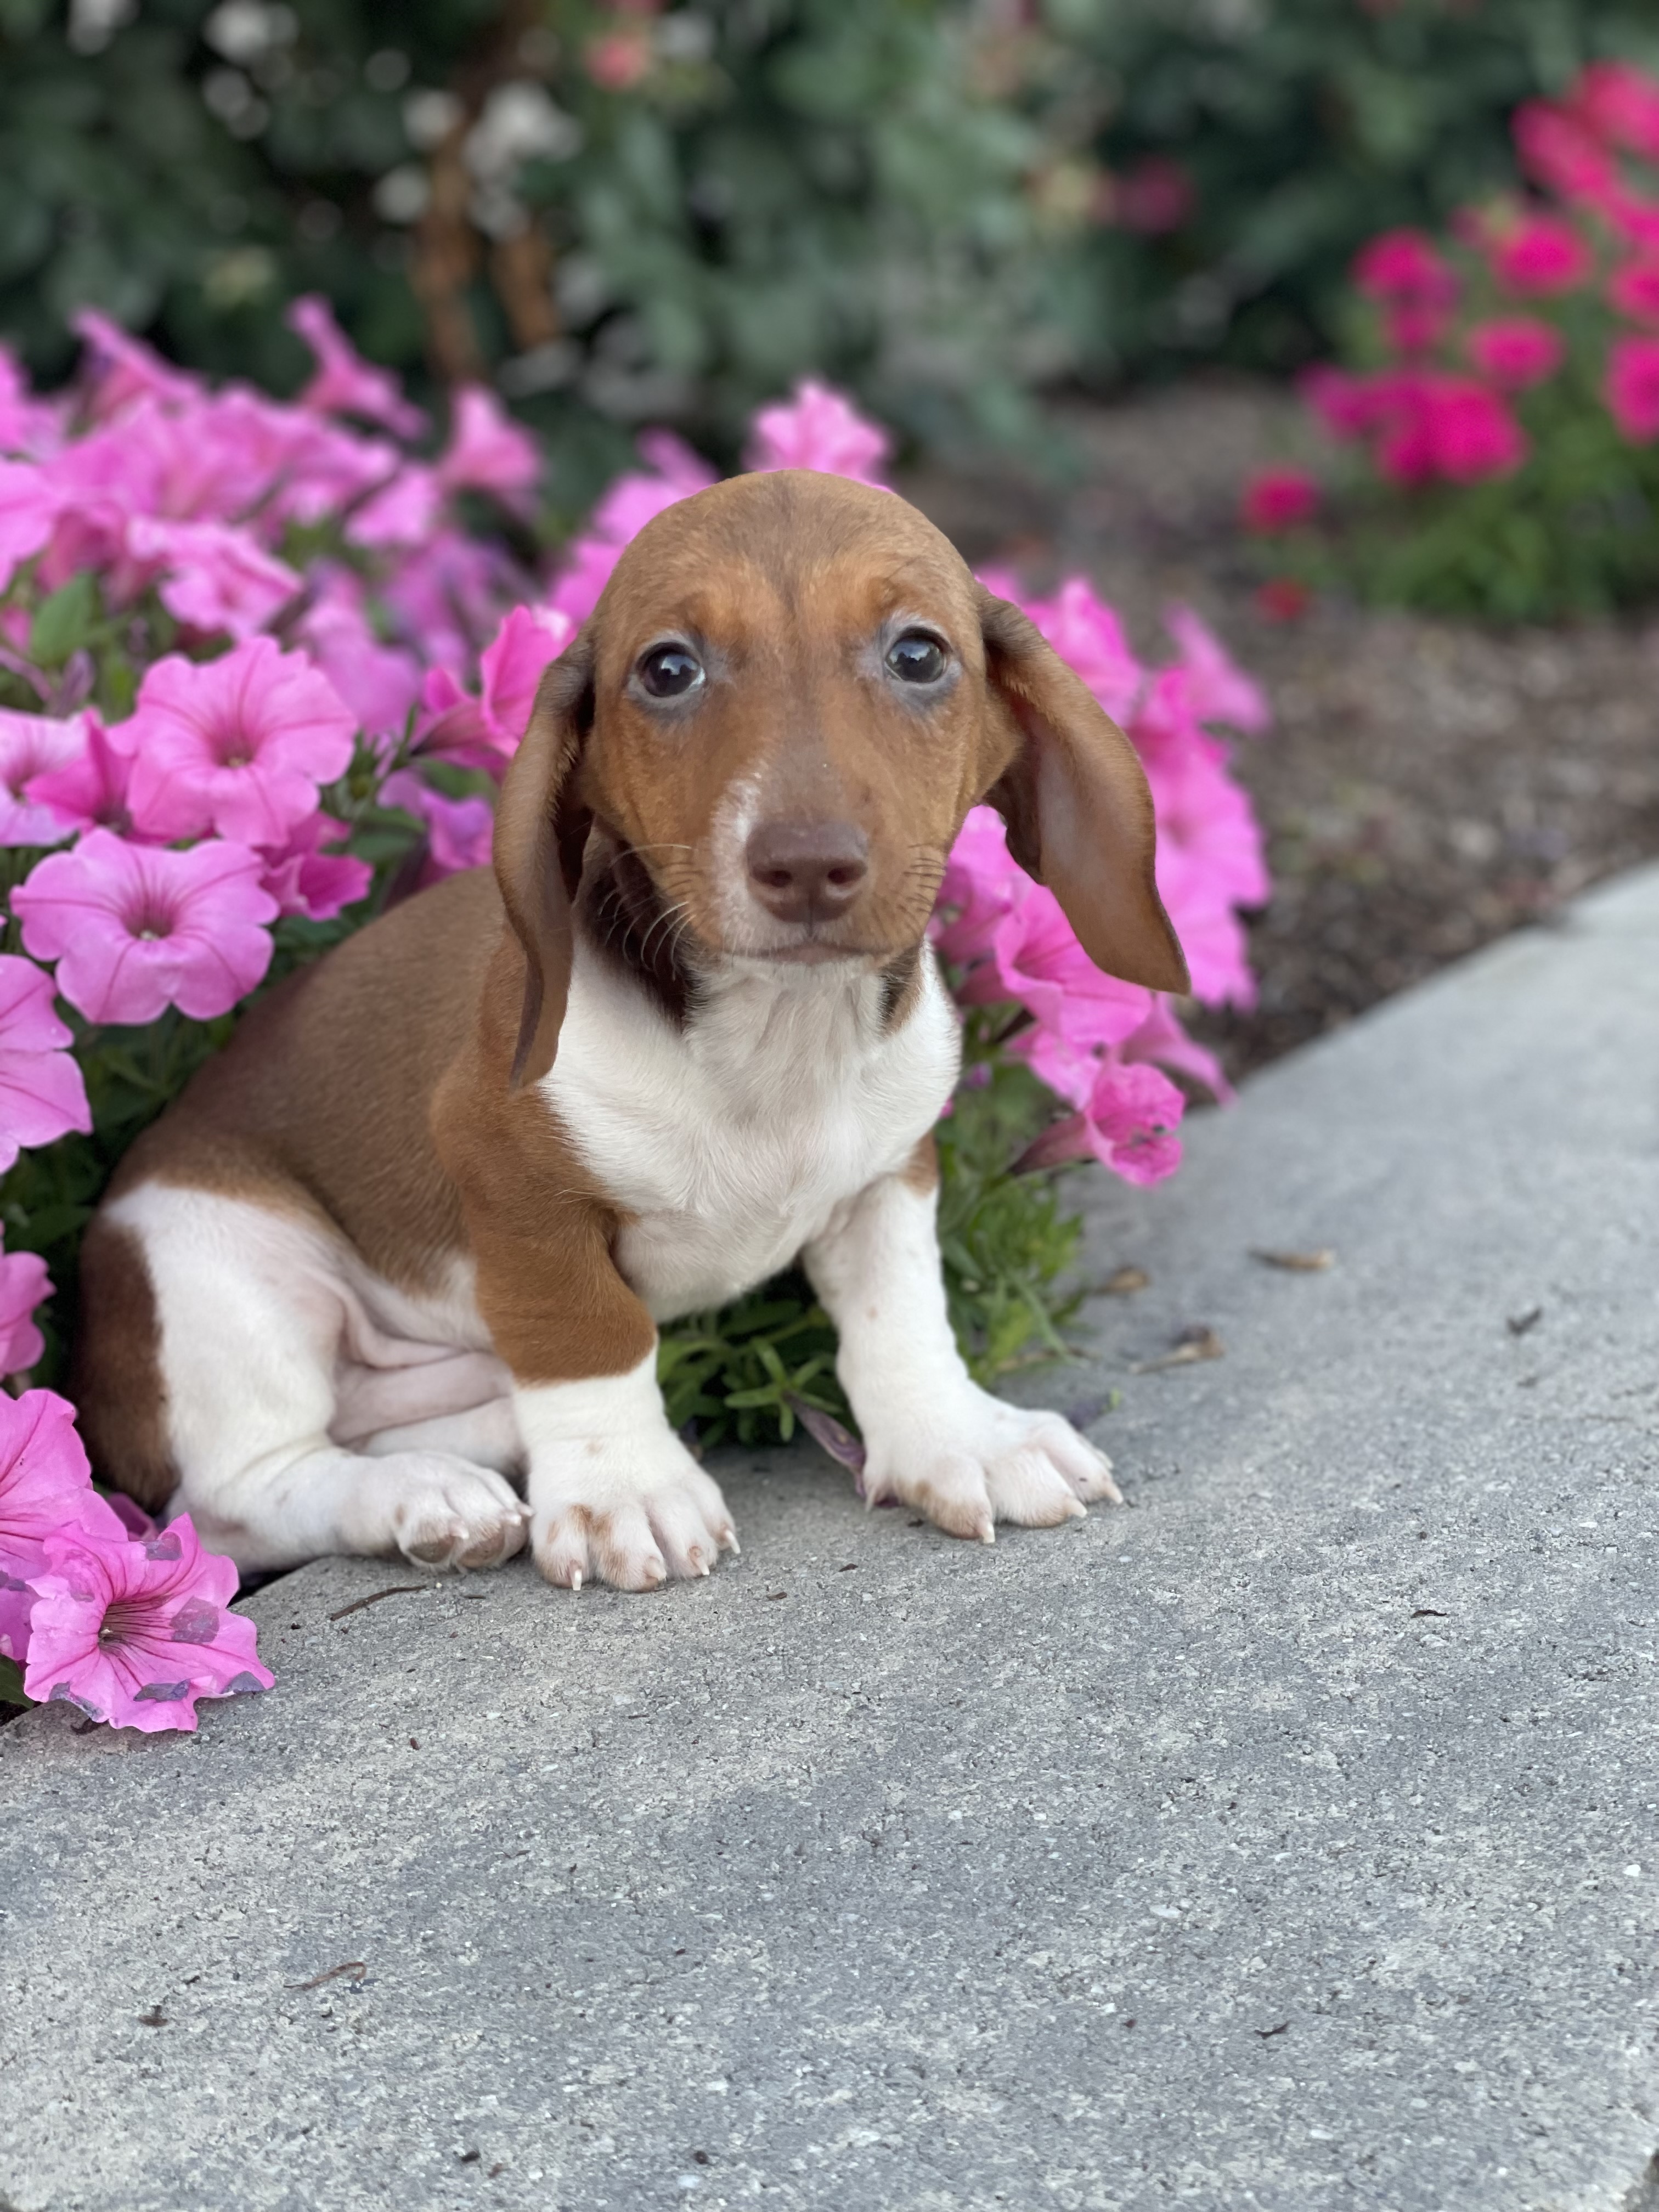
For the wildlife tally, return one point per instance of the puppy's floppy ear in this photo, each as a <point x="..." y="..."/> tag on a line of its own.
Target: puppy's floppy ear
<point x="540" y="832"/>
<point x="1076" y="802"/>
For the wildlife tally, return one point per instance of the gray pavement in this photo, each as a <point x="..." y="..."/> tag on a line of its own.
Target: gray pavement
<point x="1287" y="1839"/>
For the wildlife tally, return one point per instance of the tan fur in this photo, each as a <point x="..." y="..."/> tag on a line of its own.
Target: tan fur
<point x="386" y="1094"/>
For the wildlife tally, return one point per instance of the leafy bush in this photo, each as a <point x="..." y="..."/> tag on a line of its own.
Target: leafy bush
<point x="1508" y="395"/>
<point x="1229" y="156"/>
<point x="618" y="216"/>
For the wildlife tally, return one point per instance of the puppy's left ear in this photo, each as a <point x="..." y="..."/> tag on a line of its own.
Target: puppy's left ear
<point x="540" y="834"/>
<point x="1075" y="799"/>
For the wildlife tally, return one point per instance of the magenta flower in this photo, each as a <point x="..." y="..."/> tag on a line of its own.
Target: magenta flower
<point x="238" y="745"/>
<point x="138" y="928"/>
<point x="675" y="473"/>
<point x="403" y="512"/>
<point x="46" y="1490"/>
<point x="1414" y="326"/>
<point x="487" y="450"/>
<point x="1404" y="265"/>
<point x="346" y="384"/>
<point x="818" y="429"/>
<point x="24" y="1283"/>
<point x="1555" y="149"/>
<point x="88" y="791"/>
<point x="513" y="662"/>
<point x="1278" y="499"/>
<point x="1634" y="290"/>
<point x="1632" y="388"/>
<point x="1213" y="687"/>
<point x="1128" y="1124"/>
<point x="1154" y="195"/>
<point x="379" y="683"/>
<point x="1540" y="255"/>
<point x="29" y="508"/>
<point x="42" y="1091"/>
<point x="134" y="1633"/>
<point x="126" y="369"/>
<point x="304" y="879"/>
<point x="1618" y="102"/>
<point x="460" y="831"/>
<point x="32" y="745"/>
<point x="1516" y="351"/>
<point x="213" y="577"/>
<point x="1451" y="427"/>
<point x="1086" y="634"/>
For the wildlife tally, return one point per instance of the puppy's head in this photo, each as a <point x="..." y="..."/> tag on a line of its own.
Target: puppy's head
<point x="766" y="738"/>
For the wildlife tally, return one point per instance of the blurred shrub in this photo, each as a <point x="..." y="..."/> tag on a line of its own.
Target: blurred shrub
<point x="1232" y="154"/>
<point x="621" y="213"/>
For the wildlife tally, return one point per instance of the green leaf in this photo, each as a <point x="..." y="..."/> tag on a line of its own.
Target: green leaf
<point x="64" y="623"/>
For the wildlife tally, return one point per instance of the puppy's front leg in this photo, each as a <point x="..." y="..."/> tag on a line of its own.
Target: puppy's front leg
<point x="933" y="1437"/>
<point x="613" y="1493"/>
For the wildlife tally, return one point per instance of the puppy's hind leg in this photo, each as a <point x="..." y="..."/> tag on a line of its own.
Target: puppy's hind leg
<point x="250" y="1308"/>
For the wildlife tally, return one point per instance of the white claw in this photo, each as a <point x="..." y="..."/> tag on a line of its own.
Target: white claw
<point x="575" y="1578"/>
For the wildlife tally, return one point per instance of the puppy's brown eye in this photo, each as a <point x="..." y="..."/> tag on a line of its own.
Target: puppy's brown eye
<point x="669" y="672"/>
<point x="916" y="658"/>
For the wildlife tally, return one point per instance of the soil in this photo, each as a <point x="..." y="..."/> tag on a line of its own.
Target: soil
<point x="1427" y="786"/>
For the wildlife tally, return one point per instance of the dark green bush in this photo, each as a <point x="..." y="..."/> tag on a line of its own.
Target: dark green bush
<point x="1305" y="126"/>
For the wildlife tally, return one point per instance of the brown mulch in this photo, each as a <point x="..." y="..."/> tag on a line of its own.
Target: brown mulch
<point x="1427" y="786"/>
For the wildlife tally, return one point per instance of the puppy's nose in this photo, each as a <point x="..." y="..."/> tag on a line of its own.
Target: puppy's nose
<point x="807" y="871"/>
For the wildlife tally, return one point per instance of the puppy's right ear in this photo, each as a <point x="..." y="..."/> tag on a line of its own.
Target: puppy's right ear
<point x="540" y="832"/>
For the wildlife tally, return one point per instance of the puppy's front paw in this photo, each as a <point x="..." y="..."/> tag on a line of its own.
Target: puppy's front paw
<point x="981" y="1461"/>
<point x="632" y="1512"/>
<point x="445" y="1512"/>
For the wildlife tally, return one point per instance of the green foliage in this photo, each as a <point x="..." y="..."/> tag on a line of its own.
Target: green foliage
<point x="1306" y="126"/>
<point x="790" y="186"/>
<point x="1007" y="1246"/>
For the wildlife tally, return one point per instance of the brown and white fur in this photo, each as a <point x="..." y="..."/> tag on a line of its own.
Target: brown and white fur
<point x="409" y="1238"/>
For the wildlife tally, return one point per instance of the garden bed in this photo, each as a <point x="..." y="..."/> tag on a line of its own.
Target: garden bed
<point x="1428" y="785"/>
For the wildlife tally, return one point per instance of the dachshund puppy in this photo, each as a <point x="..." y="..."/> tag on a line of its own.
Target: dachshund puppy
<point x="409" y="1238"/>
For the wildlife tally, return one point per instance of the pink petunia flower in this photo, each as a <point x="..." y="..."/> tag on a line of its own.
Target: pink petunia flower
<point x="378" y="682"/>
<point x="1215" y="689"/>
<point x="1634" y="290"/>
<point x="460" y="831"/>
<point x="1128" y="1124"/>
<point x="513" y="663"/>
<point x="616" y="60"/>
<point x="487" y="450"/>
<point x="213" y="576"/>
<point x="1632" y="388"/>
<point x="46" y="1490"/>
<point x="304" y="879"/>
<point x="403" y="512"/>
<point x="346" y="384"/>
<point x="1278" y="499"/>
<point x="1554" y="148"/>
<point x="1405" y="265"/>
<point x="238" y="745"/>
<point x="24" y="1283"/>
<point x="134" y="1633"/>
<point x="1618" y="103"/>
<point x="1516" y="351"/>
<point x="30" y="427"/>
<point x="1452" y="427"/>
<point x="88" y="790"/>
<point x="1088" y="636"/>
<point x="673" y="472"/>
<point x="30" y="504"/>
<point x="32" y="745"/>
<point x="42" y="1092"/>
<point x="126" y="369"/>
<point x="135" y="928"/>
<point x="1540" y="255"/>
<point x="818" y="429"/>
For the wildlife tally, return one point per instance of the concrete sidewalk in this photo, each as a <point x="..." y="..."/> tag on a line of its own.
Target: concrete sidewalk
<point x="1288" y="1840"/>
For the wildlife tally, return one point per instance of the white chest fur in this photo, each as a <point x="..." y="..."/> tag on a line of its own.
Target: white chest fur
<point x="733" y="1142"/>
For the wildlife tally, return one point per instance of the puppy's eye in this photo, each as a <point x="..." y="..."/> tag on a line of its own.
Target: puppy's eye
<point x="916" y="658"/>
<point x="669" y="672"/>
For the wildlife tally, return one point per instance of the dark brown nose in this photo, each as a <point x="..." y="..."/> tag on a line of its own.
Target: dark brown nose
<point x="807" y="871"/>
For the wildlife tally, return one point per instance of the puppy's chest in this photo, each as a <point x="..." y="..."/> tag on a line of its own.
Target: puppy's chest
<point x="731" y="1149"/>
